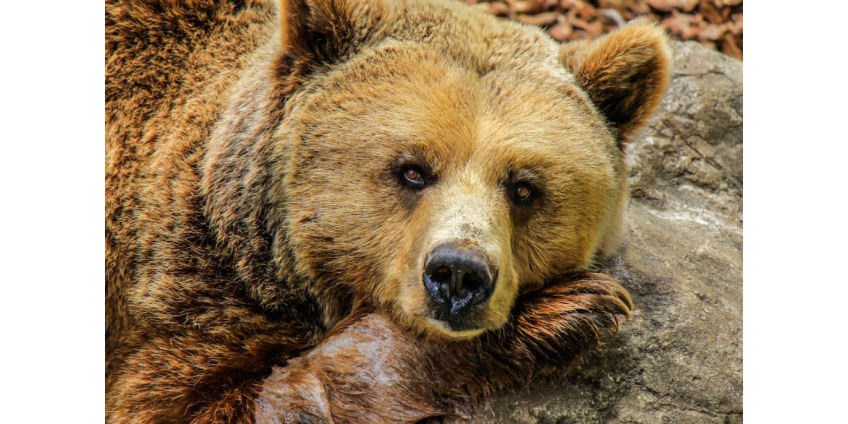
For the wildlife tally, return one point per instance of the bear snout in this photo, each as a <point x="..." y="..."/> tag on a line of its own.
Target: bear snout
<point x="459" y="281"/>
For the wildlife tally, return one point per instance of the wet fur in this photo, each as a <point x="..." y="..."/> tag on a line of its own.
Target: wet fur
<point x="233" y="245"/>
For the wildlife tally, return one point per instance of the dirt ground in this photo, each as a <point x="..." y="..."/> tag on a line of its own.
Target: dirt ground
<point x="716" y="24"/>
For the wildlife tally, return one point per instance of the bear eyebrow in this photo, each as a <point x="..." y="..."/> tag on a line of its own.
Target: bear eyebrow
<point x="417" y="156"/>
<point x="524" y="173"/>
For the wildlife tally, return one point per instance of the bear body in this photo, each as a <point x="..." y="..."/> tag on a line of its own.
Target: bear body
<point x="342" y="211"/>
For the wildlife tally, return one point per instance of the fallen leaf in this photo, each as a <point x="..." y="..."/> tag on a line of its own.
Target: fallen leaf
<point x="541" y="19"/>
<point x="561" y="31"/>
<point x="715" y="13"/>
<point x="495" y="8"/>
<point x="730" y="46"/>
<point x="668" y="5"/>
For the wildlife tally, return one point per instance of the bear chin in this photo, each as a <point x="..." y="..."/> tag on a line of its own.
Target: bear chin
<point x="450" y="331"/>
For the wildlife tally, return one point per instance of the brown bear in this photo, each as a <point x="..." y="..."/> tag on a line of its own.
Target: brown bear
<point x="356" y="211"/>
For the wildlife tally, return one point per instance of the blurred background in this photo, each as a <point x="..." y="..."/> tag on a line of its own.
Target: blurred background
<point x="717" y="24"/>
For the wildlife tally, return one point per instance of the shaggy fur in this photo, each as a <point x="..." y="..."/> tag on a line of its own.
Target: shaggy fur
<point x="254" y="210"/>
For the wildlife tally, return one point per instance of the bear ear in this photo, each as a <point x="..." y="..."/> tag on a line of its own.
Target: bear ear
<point x="327" y="30"/>
<point x="625" y="73"/>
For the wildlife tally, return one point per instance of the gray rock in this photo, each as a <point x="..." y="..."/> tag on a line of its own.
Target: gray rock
<point x="679" y="358"/>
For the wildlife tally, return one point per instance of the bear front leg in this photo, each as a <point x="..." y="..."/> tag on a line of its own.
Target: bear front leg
<point x="369" y="370"/>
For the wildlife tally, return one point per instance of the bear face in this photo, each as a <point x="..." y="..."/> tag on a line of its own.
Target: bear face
<point x="473" y="145"/>
<point x="437" y="162"/>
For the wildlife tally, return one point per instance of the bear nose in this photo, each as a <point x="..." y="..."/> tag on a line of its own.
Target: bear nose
<point x="458" y="279"/>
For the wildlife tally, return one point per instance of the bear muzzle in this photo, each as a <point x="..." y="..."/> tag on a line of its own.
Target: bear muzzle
<point x="459" y="281"/>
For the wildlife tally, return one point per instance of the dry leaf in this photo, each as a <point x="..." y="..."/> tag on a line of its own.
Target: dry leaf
<point x="542" y="19"/>
<point x="561" y="31"/>
<point x="498" y="8"/>
<point x="730" y="46"/>
<point x="711" y="32"/>
<point x="668" y="5"/>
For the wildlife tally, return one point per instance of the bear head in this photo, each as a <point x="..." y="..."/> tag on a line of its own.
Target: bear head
<point x="436" y="162"/>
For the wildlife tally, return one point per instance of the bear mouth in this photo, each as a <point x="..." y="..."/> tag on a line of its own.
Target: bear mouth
<point x="457" y="328"/>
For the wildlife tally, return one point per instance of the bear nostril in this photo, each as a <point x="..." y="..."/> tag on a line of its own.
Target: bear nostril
<point x="471" y="283"/>
<point x="442" y="275"/>
<point x="443" y="278"/>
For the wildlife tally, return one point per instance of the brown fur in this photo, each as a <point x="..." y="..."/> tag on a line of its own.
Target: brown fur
<point x="251" y="205"/>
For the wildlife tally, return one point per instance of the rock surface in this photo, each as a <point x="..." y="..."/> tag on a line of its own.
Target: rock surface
<point x="679" y="358"/>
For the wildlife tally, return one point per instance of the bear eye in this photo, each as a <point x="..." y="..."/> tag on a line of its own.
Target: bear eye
<point x="412" y="176"/>
<point x="521" y="193"/>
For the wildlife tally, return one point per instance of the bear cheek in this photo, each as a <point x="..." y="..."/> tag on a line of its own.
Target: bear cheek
<point x="409" y="297"/>
<point x="405" y="292"/>
<point x="499" y="308"/>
